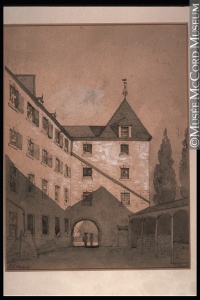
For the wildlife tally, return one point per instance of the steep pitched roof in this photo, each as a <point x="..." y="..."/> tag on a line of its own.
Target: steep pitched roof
<point x="125" y="116"/>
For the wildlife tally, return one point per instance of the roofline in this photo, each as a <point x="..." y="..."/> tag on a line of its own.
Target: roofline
<point x="109" y="139"/>
<point x="36" y="101"/>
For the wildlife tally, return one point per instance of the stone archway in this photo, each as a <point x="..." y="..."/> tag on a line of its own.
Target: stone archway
<point x="85" y="224"/>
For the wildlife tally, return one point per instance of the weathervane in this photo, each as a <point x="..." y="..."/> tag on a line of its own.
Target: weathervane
<point x="125" y="91"/>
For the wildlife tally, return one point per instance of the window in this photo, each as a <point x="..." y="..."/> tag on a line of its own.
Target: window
<point x="66" y="224"/>
<point x="124" y="149"/>
<point x="32" y="114"/>
<point x="16" y="100"/>
<point x="125" y="198"/>
<point x="13" y="179"/>
<point x="67" y="171"/>
<point x="87" y="198"/>
<point x="30" y="223"/>
<point x="12" y="224"/>
<point x="33" y="149"/>
<point x="15" y="139"/>
<point x="125" y="131"/>
<point x="124" y="173"/>
<point x="87" y="148"/>
<point x="58" y="138"/>
<point x="66" y="196"/>
<point x="57" y="193"/>
<point x="47" y="127"/>
<point x="45" y="225"/>
<point x="59" y="166"/>
<point x="31" y="184"/>
<point x="44" y="188"/>
<point x="46" y="158"/>
<point x="66" y="145"/>
<point x="87" y="172"/>
<point x="57" y="226"/>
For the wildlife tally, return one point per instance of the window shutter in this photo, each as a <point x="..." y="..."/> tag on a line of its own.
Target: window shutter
<point x="69" y="172"/>
<point x="36" y="117"/>
<point x="50" y="130"/>
<point x="19" y="141"/>
<point x="61" y="140"/>
<point x="21" y="104"/>
<point x="36" y="151"/>
<point x="61" y="167"/>
<point x="49" y="160"/>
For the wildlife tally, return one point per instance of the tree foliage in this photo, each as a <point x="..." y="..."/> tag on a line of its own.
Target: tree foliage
<point x="164" y="175"/>
<point x="184" y="167"/>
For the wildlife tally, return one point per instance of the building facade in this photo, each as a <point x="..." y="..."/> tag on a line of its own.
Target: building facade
<point x="53" y="172"/>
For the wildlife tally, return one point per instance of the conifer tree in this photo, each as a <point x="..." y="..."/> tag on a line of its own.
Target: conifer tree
<point x="164" y="175"/>
<point x="184" y="167"/>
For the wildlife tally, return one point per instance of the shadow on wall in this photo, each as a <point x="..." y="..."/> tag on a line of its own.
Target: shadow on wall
<point x="29" y="209"/>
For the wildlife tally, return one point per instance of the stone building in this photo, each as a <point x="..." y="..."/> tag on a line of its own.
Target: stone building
<point x="57" y="176"/>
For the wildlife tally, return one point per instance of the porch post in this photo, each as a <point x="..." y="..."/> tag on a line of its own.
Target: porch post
<point x="172" y="239"/>
<point x="142" y="235"/>
<point x="156" y="238"/>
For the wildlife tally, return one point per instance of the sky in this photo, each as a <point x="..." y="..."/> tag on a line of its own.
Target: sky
<point x="79" y="70"/>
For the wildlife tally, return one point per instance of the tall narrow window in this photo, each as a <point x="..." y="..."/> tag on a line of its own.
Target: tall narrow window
<point x="45" y="225"/>
<point x="13" y="179"/>
<point x="46" y="158"/>
<point x="16" y="100"/>
<point x="125" y="198"/>
<point x="58" y="138"/>
<point x="15" y="139"/>
<point x="87" y="172"/>
<point x="57" y="226"/>
<point x="66" y="196"/>
<point x="124" y="173"/>
<point x="58" y="165"/>
<point x="32" y="114"/>
<point x="31" y="185"/>
<point x="44" y="188"/>
<point x="12" y="224"/>
<point x="57" y="193"/>
<point x="66" y="145"/>
<point x="33" y="149"/>
<point x="47" y="127"/>
<point x="67" y="172"/>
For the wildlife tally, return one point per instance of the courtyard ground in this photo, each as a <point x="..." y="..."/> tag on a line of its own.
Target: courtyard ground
<point x="94" y="258"/>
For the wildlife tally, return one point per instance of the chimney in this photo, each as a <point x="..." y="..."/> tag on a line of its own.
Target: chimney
<point x="28" y="80"/>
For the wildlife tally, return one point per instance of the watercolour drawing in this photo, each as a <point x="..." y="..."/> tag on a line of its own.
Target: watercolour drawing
<point x="96" y="147"/>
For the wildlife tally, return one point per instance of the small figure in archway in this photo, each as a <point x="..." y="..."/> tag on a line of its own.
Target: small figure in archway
<point x="91" y="239"/>
<point x="85" y="238"/>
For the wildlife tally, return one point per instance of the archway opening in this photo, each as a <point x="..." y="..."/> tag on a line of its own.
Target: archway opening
<point x="85" y="234"/>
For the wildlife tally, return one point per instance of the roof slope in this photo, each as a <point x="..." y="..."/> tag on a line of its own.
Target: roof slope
<point x="123" y="116"/>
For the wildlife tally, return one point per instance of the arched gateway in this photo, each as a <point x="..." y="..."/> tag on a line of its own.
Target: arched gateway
<point x="86" y="229"/>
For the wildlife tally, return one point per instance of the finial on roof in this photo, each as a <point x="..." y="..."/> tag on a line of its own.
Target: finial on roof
<point x="40" y="99"/>
<point x="54" y="114"/>
<point x="125" y="91"/>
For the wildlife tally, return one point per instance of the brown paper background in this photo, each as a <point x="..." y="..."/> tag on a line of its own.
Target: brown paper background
<point x="128" y="283"/>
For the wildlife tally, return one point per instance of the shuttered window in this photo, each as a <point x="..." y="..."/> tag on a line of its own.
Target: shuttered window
<point x="15" y="139"/>
<point x="44" y="188"/>
<point x="58" y="166"/>
<point x="67" y="172"/>
<point x="57" y="193"/>
<point x="33" y="149"/>
<point x="31" y="185"/>
<point x="58" y="138"/>
<point x="46" y="158"/>
<point x="66" y="196"/>
<point x="32" y="114"/>
<point x="16" y="100"/>
<point x="47" y="127"/>
<point x="13" y="179"/>
<point x="66" y="145"/>
<point x="45" y="225"/>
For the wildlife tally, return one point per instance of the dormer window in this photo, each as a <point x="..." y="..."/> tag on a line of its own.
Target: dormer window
<point x="124" y="131"/>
